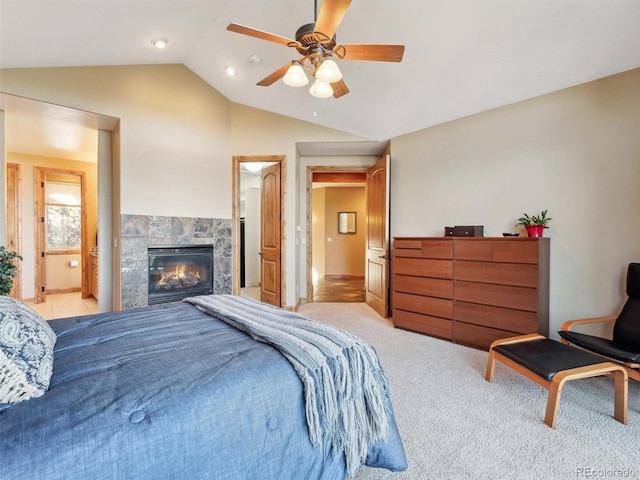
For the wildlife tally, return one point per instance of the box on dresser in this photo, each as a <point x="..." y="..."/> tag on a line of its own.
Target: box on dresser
<point x="464" y="231"/>
<point x="471" y="290"/>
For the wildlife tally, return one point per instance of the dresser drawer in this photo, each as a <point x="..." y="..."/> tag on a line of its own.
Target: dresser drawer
<point x="498" y="273"/>
<point x="437" y="249"/>
<point x="473" y="250"/>
<point x="517" y="298"/>
<point x="437" y="307"/>
<point x="478" y="336"/>
<point x="516" y="251"/>
<point x="519" y="321"/>
<point x="438" y="327"/>
<point x="433" y="287"/>
<point x="422" y="267"/>
<point x="411" y="243"/>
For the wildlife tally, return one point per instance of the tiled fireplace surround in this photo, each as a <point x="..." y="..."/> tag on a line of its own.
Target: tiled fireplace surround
<point x="140" y="231"/>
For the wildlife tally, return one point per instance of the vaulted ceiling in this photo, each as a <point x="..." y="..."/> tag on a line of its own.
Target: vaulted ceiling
<point x="462" y="56"/>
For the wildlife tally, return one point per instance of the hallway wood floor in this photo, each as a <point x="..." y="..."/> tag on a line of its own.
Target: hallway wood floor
<point x="339" y="290"/>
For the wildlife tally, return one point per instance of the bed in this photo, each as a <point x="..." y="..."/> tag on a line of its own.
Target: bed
<point x="173" y="392"/>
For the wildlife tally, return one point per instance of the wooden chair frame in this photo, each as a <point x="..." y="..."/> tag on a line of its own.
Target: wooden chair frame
<point x="558" y="380"/>
<point x="633" y="369"/>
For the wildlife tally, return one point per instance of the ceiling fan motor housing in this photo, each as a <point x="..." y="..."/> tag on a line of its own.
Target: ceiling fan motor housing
<point x="306" y="37"/>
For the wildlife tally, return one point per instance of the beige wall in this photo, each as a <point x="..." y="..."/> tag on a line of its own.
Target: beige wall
<point x="337" y="254"/>
<point x="344" y="253"/>
<point x="68" y="276"/>
<point x="575" y="152"/>
<point x="61" y="276"/>
<point x="174" y="131"/>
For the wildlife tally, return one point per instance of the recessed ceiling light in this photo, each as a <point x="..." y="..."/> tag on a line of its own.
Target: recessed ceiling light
<point x="230" y="71"/>
<point x="159" y="42"/>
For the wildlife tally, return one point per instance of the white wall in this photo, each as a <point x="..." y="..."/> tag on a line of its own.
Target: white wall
<point x="252" y="237"/>
<point x="575" y="152"/>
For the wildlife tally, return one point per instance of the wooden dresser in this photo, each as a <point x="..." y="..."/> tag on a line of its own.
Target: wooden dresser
<point x="471" y="290"/>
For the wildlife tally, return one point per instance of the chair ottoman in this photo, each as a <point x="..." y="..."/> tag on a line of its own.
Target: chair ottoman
<point x="551" y="364"/>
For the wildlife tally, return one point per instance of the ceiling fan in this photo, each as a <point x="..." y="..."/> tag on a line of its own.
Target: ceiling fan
<point x="316" y="42"/>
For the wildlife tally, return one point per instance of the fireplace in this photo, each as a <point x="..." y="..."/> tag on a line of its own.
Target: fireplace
<point x="179" y="271"/>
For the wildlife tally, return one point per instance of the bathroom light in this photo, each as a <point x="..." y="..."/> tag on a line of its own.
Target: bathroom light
<point x="159" y="42"/>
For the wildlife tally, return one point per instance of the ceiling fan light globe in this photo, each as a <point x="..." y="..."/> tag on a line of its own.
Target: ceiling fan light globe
<point x="329" y="72"/>
<point x="295" y="76"/>
<point x="321" y="89"/>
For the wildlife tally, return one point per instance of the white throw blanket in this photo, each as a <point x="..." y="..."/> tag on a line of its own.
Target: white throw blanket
<point x="346" y="392"/>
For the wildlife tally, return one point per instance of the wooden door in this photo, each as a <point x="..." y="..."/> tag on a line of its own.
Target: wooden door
<point x="41" y="238"/>
<point x="14" y="222"/>
<point x="377" y="237"/>
<point x="270" y="236"/>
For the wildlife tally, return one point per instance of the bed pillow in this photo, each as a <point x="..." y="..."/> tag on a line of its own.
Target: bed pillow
<point x="26" y="352"/>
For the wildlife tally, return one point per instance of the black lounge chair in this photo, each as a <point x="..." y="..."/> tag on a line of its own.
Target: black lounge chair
<point x="624" y="347"/>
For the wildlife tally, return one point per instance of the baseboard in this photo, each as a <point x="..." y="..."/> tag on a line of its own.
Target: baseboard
<point x="338" y="277"/>
<point x="63" y="290"/>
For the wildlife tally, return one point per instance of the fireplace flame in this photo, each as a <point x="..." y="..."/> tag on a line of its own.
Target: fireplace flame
<point x="179" y="278"/>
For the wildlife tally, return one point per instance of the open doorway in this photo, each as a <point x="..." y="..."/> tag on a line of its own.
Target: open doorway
<point x="338" y="218"/>
<point x="94" y="152"/>
<point x="257" y="227"/>
<point x="376" y="264"/>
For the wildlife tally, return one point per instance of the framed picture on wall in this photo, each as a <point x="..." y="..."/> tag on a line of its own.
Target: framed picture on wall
<point x="346" y="222"/>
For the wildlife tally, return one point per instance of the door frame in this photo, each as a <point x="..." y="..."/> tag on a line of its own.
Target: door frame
<point x="40" y="177"/>
<point x="14" y="222"/>
<point x="311" y="169"/>
<point x="235" y="216"/>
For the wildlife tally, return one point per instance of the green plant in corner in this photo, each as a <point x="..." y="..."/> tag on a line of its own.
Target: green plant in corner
<point x="8" y="269"/>
<point x="540" y="219"/>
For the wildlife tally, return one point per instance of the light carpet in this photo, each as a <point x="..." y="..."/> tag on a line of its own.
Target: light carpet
<point x="456" y="425"/>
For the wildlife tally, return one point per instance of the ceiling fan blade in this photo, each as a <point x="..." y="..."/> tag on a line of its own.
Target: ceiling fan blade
<point x="252" y="32"/>
<point x="275" y="76"/>
<point x="376" y="53"/>
<point x="339" y="89"/>
<point x="330" y="16"/>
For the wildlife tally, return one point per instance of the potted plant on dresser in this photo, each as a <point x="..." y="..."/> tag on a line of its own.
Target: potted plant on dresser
<point x="8" y="269"/>
<point x="534" y="224"/>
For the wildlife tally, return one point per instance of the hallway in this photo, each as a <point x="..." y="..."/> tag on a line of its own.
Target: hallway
<point x="339" y="290"/>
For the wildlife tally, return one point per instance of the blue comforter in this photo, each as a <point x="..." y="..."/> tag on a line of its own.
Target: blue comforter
<point x="168" y="392"/>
